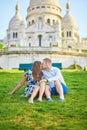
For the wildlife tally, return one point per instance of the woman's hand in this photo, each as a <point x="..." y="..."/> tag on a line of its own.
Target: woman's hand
<point x="10" y="93"/>
<point x="43" y="80"/>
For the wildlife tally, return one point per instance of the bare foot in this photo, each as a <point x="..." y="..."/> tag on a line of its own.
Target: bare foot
<point x="30" y="101"/>
<point x="39" y="100"/>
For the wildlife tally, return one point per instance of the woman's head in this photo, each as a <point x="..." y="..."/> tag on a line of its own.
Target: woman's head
<point x="36" y="71"/>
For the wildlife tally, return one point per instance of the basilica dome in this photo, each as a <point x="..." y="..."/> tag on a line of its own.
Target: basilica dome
<point x="39" y="2"/>
<point x="17" y="20"/>
<point x="68" y="19"/>
<point x="43" y="7"/>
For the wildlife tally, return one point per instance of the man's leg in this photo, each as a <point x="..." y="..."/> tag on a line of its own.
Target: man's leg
<point x="48" y="93"/>
<point x="65" y="88"/>
<point x="59" y="89"/>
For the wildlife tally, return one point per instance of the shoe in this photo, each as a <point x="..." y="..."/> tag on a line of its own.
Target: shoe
<point x="61" y="100"/>
<point x="49" y="99"/>
<point x="25" y="95"/>
<point x="22" y="95"/>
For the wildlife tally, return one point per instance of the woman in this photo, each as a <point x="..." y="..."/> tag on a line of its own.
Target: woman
<point x="34" y="82"/>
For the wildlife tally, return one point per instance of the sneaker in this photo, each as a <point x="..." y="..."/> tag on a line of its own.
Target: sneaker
<point x="61" y="100"/>
<point x="49" y="99"/>
<point x="22" y="95"/>
<point x="25" y="95"/>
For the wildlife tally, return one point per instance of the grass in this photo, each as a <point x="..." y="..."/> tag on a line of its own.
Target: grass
<point x="17" y="114"/>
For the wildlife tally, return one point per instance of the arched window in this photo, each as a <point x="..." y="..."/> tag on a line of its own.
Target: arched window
<point x="42" y="6"/>
<point x="13" y="35"/>
<point x="40" y="40"/>
<point x="53" y="22"/>
<point x="29" y="44"/>
<point x="68" y="33"/>
<point x="16" y="35"/>
<point x="32" y="21"/>
<point x="48" y="21"/>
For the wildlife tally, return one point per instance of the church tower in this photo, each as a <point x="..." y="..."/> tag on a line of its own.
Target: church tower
<point x="70" y="35"/>
<point x="16" y="30"/>
<point x="43" y="23"/>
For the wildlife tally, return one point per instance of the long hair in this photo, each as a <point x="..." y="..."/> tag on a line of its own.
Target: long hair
<point x="36" y="71"/>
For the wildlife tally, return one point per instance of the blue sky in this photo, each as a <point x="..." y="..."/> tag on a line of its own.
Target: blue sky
<point x="78" y="10"/>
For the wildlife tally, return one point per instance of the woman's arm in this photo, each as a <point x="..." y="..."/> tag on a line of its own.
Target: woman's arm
<point x="19" y="85"/>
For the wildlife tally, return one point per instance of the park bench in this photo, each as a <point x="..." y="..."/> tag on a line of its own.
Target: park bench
<point x="27" y="66"/>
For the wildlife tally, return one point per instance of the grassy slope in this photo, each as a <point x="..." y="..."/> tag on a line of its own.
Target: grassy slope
<point x="16" y="113"/>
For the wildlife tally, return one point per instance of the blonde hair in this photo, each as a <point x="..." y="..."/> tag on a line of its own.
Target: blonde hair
<point x="48" y="62"/>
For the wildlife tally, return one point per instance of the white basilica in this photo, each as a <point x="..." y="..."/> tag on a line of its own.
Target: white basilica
<point x="46" y="28"/>
<point x="46" y="34"/>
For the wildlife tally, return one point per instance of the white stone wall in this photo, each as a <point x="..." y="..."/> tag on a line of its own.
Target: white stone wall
<point x="4" y="62"/>
<point x="13" y="60"/>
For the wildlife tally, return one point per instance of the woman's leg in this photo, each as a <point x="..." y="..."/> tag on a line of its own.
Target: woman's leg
<point x="34" y="94"/>
<point x="41" y="91"/>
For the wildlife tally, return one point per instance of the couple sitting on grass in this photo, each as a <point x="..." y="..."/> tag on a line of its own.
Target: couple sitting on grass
<point x="43" y="79"/>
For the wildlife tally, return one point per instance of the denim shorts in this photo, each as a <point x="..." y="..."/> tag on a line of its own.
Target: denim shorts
<point x="53" y="89"/>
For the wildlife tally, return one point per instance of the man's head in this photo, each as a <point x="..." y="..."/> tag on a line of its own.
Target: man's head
<point x="46" y="64"/>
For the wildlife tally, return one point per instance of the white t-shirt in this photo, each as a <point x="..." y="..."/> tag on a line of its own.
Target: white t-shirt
<point x="53" y="74"/>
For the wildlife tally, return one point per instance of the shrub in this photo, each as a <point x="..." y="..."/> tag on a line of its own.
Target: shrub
<point x="85" y="69"/>
<point x="1" y="68"/>
<point x="75" y="66"/>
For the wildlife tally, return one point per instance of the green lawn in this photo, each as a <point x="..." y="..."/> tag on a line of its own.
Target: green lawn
<point x="17" y="114"/>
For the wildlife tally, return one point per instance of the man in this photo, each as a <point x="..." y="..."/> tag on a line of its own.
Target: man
<point x="55" y="79"/>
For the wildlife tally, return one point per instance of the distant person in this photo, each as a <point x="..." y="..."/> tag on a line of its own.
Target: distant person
<point x="53" y="75"/>
<point x="33" y="80"/>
